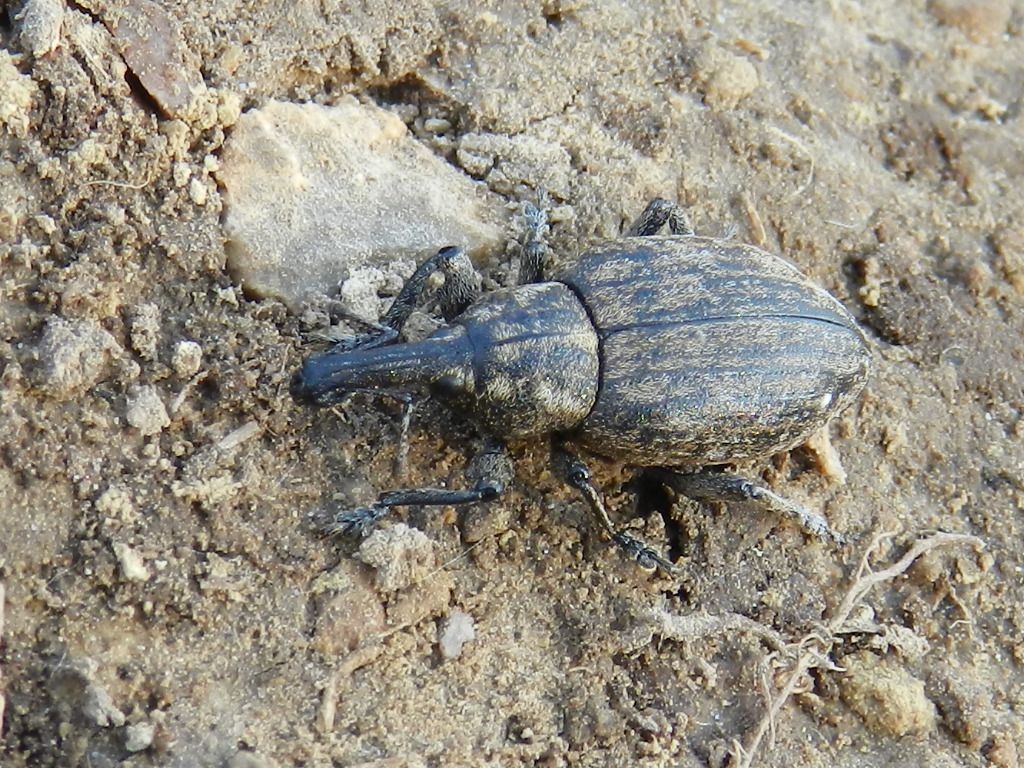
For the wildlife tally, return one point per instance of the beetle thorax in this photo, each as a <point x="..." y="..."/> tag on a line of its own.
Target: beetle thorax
<point x="535" y="360"/>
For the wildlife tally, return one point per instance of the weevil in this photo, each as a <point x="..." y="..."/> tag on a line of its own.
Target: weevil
<point x="676" y="353"/>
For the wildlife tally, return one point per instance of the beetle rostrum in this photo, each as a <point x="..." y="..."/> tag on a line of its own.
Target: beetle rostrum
<point x="678" y="353"/>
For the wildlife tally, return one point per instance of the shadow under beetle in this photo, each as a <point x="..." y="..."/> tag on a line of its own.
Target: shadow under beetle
<point x="678" y="353"/>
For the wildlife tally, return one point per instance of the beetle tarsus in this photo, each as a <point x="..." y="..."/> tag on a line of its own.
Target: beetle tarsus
<point x="356" y="523"/>
<point x="577" y="475"/>
<point x="724" y="486"/>
<point x="374" y="334"/>
<point x="645" y="556"/>
<point x="657" y="213"/>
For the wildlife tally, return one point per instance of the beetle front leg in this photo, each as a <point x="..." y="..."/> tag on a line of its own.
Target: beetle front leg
<point x="710" y="485"/>
<point x="535" y="249"/>
<point x="491" y="468"/>
<point x="461" y="287"/>
<point x="656" y="214"/>
<point x="576" y="474"/>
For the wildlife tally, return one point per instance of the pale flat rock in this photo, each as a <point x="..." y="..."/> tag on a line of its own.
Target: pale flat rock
<point x="313" y="193"/>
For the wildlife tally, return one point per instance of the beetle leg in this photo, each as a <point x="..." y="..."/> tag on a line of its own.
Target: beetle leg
<point x="461" y="287"/>
<point x="724" y="486"/>
<point x="656" y="214"/>
<point x="377" y="335"/>
<point x="491" y="468"/>
<point x="576" y="474"/>
<point x="535" y="249"/>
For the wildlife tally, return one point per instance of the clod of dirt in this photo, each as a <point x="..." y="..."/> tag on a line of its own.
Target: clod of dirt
<point x="401" y="555"/>
<point x="485" y="520"/>
<point x="116" y="502"/>
<point x="72" y="685"/>
<point x="405" y="563"/>
<point x="145" y="333"/>
<point x="132" y="566"/>
<point x="39" y="25"/>
<point x="726" y="78"/>
<point x="146" y="411"/>
<point x="360" y="292"/>
<point x="513" y="164"/>
<point x="456" y="631"/>
<point x="206" y="478"/>
<point x="964" y="705"/>
<point x="1003" y="752"/>
<point x="74" y="355"/>
<point x="186" y="358"/>
<point x="887" y="697"/>
<point x="16" y="95"/>
<point x="311" y="192"/>
<point x="350" y="613"/>
<point x="153" y="48"/>
<point x="981" y="20"/>
<point x="139" y="736"/>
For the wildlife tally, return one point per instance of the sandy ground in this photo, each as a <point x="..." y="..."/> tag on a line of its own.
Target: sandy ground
<point x="168" y="600"/>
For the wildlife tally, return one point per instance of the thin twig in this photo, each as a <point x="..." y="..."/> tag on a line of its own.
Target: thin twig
<point x="864" y="580"/>
<point x="3" y="700"/>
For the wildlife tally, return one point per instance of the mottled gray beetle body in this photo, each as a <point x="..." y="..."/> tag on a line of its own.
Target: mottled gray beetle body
<point x="677" y="352"/>
<point x="711" y="352"/>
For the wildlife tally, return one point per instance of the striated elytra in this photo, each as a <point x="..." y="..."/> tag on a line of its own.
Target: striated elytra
<point x="674" y="352"/>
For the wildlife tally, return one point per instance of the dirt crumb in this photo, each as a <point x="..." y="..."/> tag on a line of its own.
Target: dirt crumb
<point x="133" y="567"/>
<point x="186" y="358"/>
<point x="456" y="630"/>
<point x="155" y="51"/>
<point x="146" y="411"/>
<point x="401" y="556"/>
<point x="145" y="333"/>
<point x="17" y="93"/>
<point x="40" y="23"/>
<point x="983" y="21"/>
<point x="727" y="79"/>
<point x="73" y="684"/>
<point x="139" y="736"/>
<point x="886" y="696"/>
<point x="74" y="355"/>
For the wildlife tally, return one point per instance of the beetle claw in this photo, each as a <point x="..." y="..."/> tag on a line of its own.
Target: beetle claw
<point x="646" y="557"/>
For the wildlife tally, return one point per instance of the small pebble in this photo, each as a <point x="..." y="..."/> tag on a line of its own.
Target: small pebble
<point x="146" y="411"/>
<point x="139" y="736"/>
<point x="457" y="630"/>
<point x="145" y="333"/>
<point x="133" y="568"/>
<point x="186" y="359"/>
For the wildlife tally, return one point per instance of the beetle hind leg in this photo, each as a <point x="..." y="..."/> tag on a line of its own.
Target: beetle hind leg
<point x="711" y="485"/>
<point x="576" y="474"/>
<point x="658" y="213"/>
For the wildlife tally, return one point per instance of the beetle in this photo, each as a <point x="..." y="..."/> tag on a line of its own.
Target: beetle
<point x="677" y="353"/>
